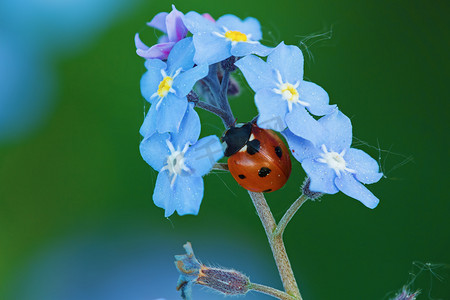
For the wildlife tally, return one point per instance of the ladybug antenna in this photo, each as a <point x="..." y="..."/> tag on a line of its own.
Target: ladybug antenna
<point x="253" y="121"/>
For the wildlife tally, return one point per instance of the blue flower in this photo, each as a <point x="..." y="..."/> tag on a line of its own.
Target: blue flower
<point x="181" y="160"/>
<point x="165" y="86"/>
<point x="282" y="96"/>
<point x="228" y="36"/>
<point x="333" y="166"/>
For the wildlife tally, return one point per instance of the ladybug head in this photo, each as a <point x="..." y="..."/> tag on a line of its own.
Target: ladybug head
<point x="236" y="137"/>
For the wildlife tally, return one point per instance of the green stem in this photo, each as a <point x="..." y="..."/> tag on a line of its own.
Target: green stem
<point x="288" y="215"/>
<point x="270" y="291"/>
<point x="276" y="244"/>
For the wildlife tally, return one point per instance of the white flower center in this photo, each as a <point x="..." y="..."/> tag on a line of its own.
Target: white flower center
<point x="175" y="161"/>
<point x="288" y="92"/>
<point x="335" y="161"/>
<point x="165" y="86"/>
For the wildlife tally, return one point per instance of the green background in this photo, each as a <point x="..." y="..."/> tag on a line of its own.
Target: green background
<point x="385" y="63"/>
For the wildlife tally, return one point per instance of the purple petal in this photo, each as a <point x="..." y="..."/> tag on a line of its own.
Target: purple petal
<point x="202" y="156"/>
<point x="159" y="22"/>
<point x="339" y="131"/>
<point x="289" y="61"/>
<point x="154" y="150"/>
<point x="316" y="97"/>
<point x="257" y="72"/>
<point x="176" y="30"/>
<point x="301" y="123"/>
<point x="322" y="176"/>
<point x="243" y="49"/>
<point x="272" y="110"/>
<point x="139" y="44"/>
<point x="365" y="166"/>
<point x="170" y="113"/>
<point x="301" y="149"/>
<point x="159" y="51"/>
<point x="208" y="17"/>
<point x="248" y="26"/>
<point x="351" y="187"/>
<point x="189" y="130"/>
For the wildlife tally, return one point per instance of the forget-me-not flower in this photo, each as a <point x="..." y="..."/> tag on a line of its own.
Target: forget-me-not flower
<point x="282" y="96"/>
<point x="169" y="23"/>
<point x="181" y="160"/>
<point x="332" y="165"/>
<point x="165" y="86"/>
<point x="228" y="36"/>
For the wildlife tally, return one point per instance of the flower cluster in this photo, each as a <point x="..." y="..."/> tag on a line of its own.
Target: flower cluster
<point x="190" y="67"/>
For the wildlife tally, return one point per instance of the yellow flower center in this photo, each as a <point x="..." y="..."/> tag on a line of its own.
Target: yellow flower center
<point x="289" y="92"/>
<point x="236" y="36"/>
<point x="164" y="86"/>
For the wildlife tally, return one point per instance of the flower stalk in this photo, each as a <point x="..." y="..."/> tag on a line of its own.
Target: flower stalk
<point x="276" y="244"/>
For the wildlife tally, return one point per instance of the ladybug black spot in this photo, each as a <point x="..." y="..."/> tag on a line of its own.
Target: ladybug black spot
<point x="278" y="151"/>
<point x="241" y="176"/>
<point x="264" y="171"/>
<point x="253" y="146"/>
<point x="268" y="190"/>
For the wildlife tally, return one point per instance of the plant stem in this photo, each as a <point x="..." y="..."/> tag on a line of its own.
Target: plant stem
<point x="288" y="215"/>
<point x="271" y="291"/>
<point x="213" y="109"/>
<point x="276" y="244"/>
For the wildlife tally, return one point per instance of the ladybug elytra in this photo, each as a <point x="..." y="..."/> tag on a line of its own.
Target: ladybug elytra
<point x="258" y="159"/>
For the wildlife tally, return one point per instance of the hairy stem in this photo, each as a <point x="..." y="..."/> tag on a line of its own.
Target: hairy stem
<point x="288" y="215"/>
<point x="276" y="244"/>
<point x="213" y="109"/>
<point x="270" y="291"/>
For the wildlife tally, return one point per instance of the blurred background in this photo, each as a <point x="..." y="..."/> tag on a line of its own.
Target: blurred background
<point x="77" y="219"/>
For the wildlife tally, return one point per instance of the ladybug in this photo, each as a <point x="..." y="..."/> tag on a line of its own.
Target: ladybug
<point x="258" y="159"/>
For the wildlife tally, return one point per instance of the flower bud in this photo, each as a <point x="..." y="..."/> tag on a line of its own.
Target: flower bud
<point x="307" y="192"/>
<point x="225" y="281"/>
<point x="405" y="294"/>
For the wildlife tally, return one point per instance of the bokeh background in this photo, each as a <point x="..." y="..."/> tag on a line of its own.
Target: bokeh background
<point x="76" y="214"/>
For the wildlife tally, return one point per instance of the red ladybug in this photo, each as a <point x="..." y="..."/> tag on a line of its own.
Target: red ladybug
<point x="258" y="159"/>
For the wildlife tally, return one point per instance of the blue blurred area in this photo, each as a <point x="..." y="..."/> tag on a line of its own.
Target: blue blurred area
<point x="128" y="266"/>
<point x="34" y="34"/>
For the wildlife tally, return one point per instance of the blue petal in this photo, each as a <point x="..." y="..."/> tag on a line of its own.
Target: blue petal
<point x="322" y="176"/>
<point x="301" y="149"/>
<point x="155" y="64"/>
<point x="189" y="130"/>
<point x="184" y="82"/>
<point x="339" y="131"/>
<point x="170" y="113"/>
<point x="365" y="166"/>
<point x="159" y="22"/>
<point x="351" y="187"/>
<point x="201" y="157"/>
<point x="210" y="48"/>
<point x="181" y="56"/>
<point x="316" y="97"/>
<point x="301" y="123"/>
<point x="257" y="72"/>
<point x="248" y="26"/>
<point x="154" y="150"/>
<point x="289" y="61"/>
<point x="243" y="49"/>
<point x="197" y="23"/>
<point x="149" y="125"/>
<point x="184" y="196"/>
<point x="149" y="83"/>
<point x="272" y="110"/>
